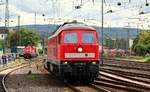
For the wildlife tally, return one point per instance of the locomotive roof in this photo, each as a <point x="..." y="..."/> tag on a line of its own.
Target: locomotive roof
<point x="67" y="26"/>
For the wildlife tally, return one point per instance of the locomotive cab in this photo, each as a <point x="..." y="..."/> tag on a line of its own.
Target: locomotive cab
<point x="80" y="53"/>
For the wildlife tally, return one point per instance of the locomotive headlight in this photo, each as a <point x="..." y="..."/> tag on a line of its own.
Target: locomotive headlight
<point x="65" y="62"/>
<point x="80" y="49"/>
<point x="93" y="63"/>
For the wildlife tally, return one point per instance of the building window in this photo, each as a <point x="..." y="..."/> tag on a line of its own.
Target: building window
<point x="2" y="36"/>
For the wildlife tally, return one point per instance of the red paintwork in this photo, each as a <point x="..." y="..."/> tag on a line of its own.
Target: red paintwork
<point x="30" y="50"/>
<point x="56" y="50"/>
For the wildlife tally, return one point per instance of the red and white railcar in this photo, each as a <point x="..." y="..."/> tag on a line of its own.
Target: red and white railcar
<point x="73" y="50"/>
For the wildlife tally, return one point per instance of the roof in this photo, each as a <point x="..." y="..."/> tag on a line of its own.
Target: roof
<point x="3" y="30"/>
<point x="72" y="25"/>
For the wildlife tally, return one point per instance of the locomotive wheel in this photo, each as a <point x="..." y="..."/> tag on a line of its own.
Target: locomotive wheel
<point x="48" y="66"/>
<point x="90" y="80"/>
<point x="45" y="66"/>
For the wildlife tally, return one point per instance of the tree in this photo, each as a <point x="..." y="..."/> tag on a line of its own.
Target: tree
<point x="12" y="39"/>
<point x="23" y="37"/>
<point x="1" y="44"/>
<point x="141" y="44"/>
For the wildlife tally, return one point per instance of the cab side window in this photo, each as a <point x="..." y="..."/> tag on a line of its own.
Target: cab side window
<point x="59" y="39"/>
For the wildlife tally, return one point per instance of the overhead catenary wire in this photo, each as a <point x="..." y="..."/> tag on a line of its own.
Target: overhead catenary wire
<point x="114" y="11"/>
<point x="77" y="7"/>
<point x="111" y="10"/>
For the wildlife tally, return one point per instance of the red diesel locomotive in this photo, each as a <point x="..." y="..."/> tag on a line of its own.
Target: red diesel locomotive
<point x="29" y="52"/>
<point x="73" y="51"/>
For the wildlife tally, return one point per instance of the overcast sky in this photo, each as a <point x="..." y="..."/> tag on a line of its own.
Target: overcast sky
<point x="90" y="11"/>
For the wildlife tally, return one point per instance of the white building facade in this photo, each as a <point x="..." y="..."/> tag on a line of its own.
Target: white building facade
<point x="3" y="33"/>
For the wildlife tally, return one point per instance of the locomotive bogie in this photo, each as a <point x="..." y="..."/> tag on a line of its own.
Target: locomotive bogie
<point x="75" y="69"/>
<point x="80" y="69"/>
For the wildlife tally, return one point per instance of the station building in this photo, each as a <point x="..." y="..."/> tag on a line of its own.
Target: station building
<point x="3" y="33"/>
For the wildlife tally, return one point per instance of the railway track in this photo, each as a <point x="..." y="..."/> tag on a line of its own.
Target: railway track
<point x="77" y="86"/>
<point x="6" y="69"/>
<point x="5" y="73"/>
<point x="82" y="87"/>
<point x="110" y="80"/>
<point x="113" y="84"/>
<point x="128" y="72"/>
<point x="100" y="89"/>
<point x="124" y="78"/>
<point x="75" y="89"/>
<point x="126" y="67"/>
<point x="1" y="85"/>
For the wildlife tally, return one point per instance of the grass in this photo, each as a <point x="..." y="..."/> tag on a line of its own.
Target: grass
<point x="31" y="76"/>
<point x="147" y="58"/>
<point x="132" y="58"/>
<point x="136" y="58"/>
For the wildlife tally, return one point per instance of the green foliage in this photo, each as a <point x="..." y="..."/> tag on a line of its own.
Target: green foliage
<point x="141" y="45"/>
<point x="31" y="76"/>
<point x="23" y="37"/>
<point x="40" y="51"/>
<point x="147" y="58"/>
<point x="29" y="37"/>
<point x="1" y="44"/>
<point x="12" y="39"/>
